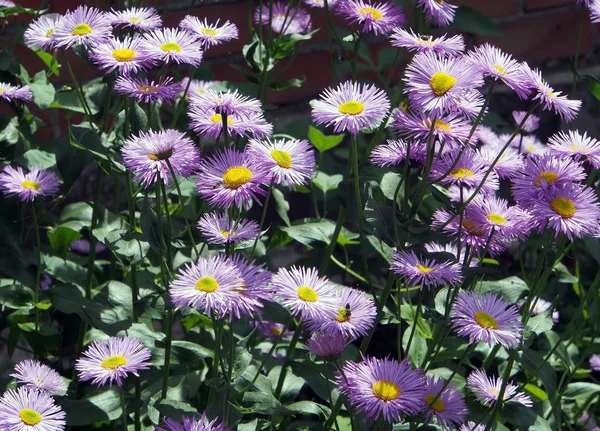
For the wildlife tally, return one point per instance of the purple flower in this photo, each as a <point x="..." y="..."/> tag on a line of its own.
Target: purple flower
<point x="40" y="33"/>
<point x="595" y="11"/>
<point x="255" y="289"/>
<point x="173" y="45"/>
<point x="82" y="26"/>
<point x="270" y="330"/>
<point x="528" y="144"/>
<point x="385" y="387"/>
<point x="551" y="100"/>
<point x="164" y="90"/>
<point x="470" y="105"/>
<point x="539" y="306"/>
<point x="112" y="360"/>
<point x="369" y="16"/>
<point x="148" y="155"/>
<point x="286" y="19"/>
<point x="126" y="56"/>
<point x="487" y="389"/>
<point x="227" y="103"/>
<point x="393" y="153"/>
<point x="26" y="409"/>
<point x="219" y="229"/>
<point x="442" y="45"/>
<point x="11" y="93"/>
<point x="439" y="12"/>
<point x="197" y="86"/>
<point x="469" y="171"/>
<point x="494" y="214"/>
<point x="510" y="163"/>
<point x="211" y="285"/>
<point x="37" y="376"/>
<point x="210" y="124"/>
<point x="210" y="34"/>
<point x="487" y="136"/>
<point x="290" y="161"/>
<point x="472" y="426"/>
<point x="143" y="18"/>
<point x="321" y="3"/>
<point x="328" y="345"/>
<point x="425" y="272"/>
<point x="449" y="407"/>
<point x="487" y="318"/>
<point x="451" y="129"/>
<point x="575" y="145"/>
<point x="193" y="424"/>
<point x="531" y="124"/>
<point x="447" y="249"/>
<point x="36" y="183"/>
<point x="351" y="107"/>
<point x="595" y="362"/>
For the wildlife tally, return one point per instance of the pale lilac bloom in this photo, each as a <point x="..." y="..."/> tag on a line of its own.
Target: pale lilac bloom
<point x="143" y="18"/>
<point x="82" y="26"/>
<point x="494" y="214"/>
<point x="423" y="271"/>
<point x="173" y="45"/>
<point x="328" y="345"/>
<point x="449" y="407"/>
<point x="439" y="12"/>
<point x="372" y="16"/>
<point x="197" y="86"/>
<point x="472" y="426"/>
<point x="321" y="3"/>
<point x="394" y="152"/>
<point x="487" y="390"/>
<point x="210" y="34"/>
<point x="143" y="90"/>
<point x="595" y="362"/>
<point x="254" y="291"/>
<point x="446" y="251"/>
<point x="193" y="424"/>
<point x="470" y="104"/>
<point x="12" y="93"/>
<point x="441" y="45"/>
<point x="285" y="18"/>
<point x="25" y="409"/>
<point x="539" y="306"/>
<point x="37" y="183"/>
<point x="531" y="124"/>
<point x="37" y="376"/>
<point x="40" y="33"/>
<point x="550" y="99"/>
<point x="452" y="129"/>
<point x="487" y="136"/>
<point x="125" y="55"/>
<point x="469" y="171"/>
<point x="210" y="123"/>
<point x="528" y="144"/>
<point x="509" y="164"/>
<point x="7" y="3"/>
<point x="226" y="103"/>
<point x="576" y="146"/>
<point x="219" y="229"/>
<point x="270" y="330"/>
<point x="595" y="11"/>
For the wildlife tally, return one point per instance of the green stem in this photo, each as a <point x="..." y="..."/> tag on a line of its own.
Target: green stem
<point x="167" y="364"/>
<point x="38" y="270"/>
<point x="416" y="321"/>
<point x="123" y="409"/>
<point x="262" y="218"/>
<point x="288" y="359"/>
<point x="328" y="255"/>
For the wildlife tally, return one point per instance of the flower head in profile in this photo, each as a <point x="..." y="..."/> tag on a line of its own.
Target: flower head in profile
<point x="305" y="293"/>
<point x="112" y="360"/>
<point x="550" y="99"/>
<point x="576" y="146"/>
<point x="26" y="409"/>
<point x="531" y="124"/>
<point x="40" y="33"/>
<point x="487" y="318"/>
<point x="595" y="362"/>
<point x="351" y="107"/>
<point x="11" y="93"/>
<point x="124" y="55"/>
<point x="230" y="177"/>
<point x="290" y="161"/>
<point x="541" y="306"/>
<point x="328" y="345"/>
<point x="210" y="34"/>
<point x="286" y="19"/>
<point x="424" y="271"/>
<point x="209" y="285"/>
<point x="487" y="389"/>
<point x="149" y="155"/>
<point x="210" y="123"/>
<point x="372" y="16"/>
<point x="451" y="129"/>
<point x="394" y="152"/>
<point x="438" y="12"/>
<point x="445" y="404"/>
<point x="37" y="183"/>
<point x="230" y="103"/>
<point x="469" y="171"/>
<point x="382" y="387"/>
<point x="193" y="424"/>
<point x="139" y="18"/>
<point x="34" y="375"/>
<point x="146" y="91"/>
<point x="445" y="252"/>
<point x="173" y="45"/>
<point x="270" y="330"/>
<point x="84" y="25"/>
<point x="220" y="229"/>
<point x="441" y="45"/>
<point x="595" y="11"/>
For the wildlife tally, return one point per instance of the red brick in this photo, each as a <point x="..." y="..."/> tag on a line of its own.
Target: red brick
<point x="542" y="37"/>
<point x="492" y="8"/>
<point x="544" y="4"/>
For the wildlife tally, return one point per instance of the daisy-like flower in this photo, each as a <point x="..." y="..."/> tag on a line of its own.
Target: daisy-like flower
<point x="510" y="163"/>
<point x="290" y="161"/>
<point x="493" y="63"/>
<point x="494" y="214"/>
<point x="549" y="99"/>
<point x="531" y="124"/>
<point x="472" y="426"/>
<point x="112" y="360"/>
<point x="575" y="145"/>
<point x="470" y="104"/>
<point x="595" y="362"/>
<point x="139" y="18"/>
<point x="468" y="172"/>
<point x="126" y="56"/>
<point x="539" y="306"/>
<point x="226" y="103"/>
<point x="285" y="18"/>
<point x="26" y="409"/>
<point x="444" y="250"/>
<point x="385" y="387"/>
<point x="487" y="136"/>
<point x="442" y="45"/>
<point x="82" y="26"/>
<point x="37" y="376"/>
<point x="370" y="16"/>
<point x="173" y="45"/>
<point x="230" y="177"/>
<point x="328" y="345"/>
<point x="572" y="210"/>
<point x="542" y="172"/>
<point x="11" y="93"/>
<point x="438" y="12"/>
<point x="197" y="86"/>
<point x="449" y="407"/>
<point x="210" y="124"/>
<point x="394" y="152"/>
<point x="487" y="318"/>
<point x="193" y="424"/>
<point x="487" y="390"/>
<point x="528" y="144"/>
<point x="149" y="154"/>
<point x="210" y="34"/>
<point x="270" y="330"/>
<point x="304" y="292"/>
<point x="210" y="285"/>
<point x="37" y="183"/>
<point x="435" y="84"/>
<point x="450" y="129"/>
<point x="425" y="272"/>
<point x="352" y="317"/>
<point x="595" y="11"/>
<point x="219" y="229"/>
<point x="40" y="33"/>
<point x="143" y="90"/>
<point x="7" y="3"/>
<point x="351" y="107"/>
<point x="321" y="3"/>
<point x="255" y="289"/>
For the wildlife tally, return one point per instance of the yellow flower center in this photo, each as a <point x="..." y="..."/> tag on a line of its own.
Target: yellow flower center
<point x="30" y="417"/>
<point x="386" y="390"/>
<point x="227" y="233"/>
<point x="276" y="331"/>
<point x="81" y="30"/>
<point x="217" y="117"/>
<point x="236" y="176"/>
<point x="149" y="89"/>
<point x="439" y="125"/>
<point x="282" y="158"/>
<point x="27" y="184"/>
<point x="547" y="176"/>
<point x="563" y="207"/>
<point x="113" y="362"/>
<point x="343" y="315"/>
<point x="461" y="173"/>
<point x="439" y="1"/>
<point x="170" y="47"/>
<point x="307" y="294"/>
<point x="163" y="155"/>
<point x="372" y="12"/>
<point x="134" y="20"/>
<point x="499" y="69"/>
<point x="49" y="33"/>
<point x="485" y="320"/>
<point x="124" y="54"/>
<point x="496" y="218"/>
<point x="208" y="31"/>
<point x="423" y="269"/>
<point x="207" y="284"/>
<point x="351" y="107"/>
<point x="441" y="83"/>
<point x="438" y="406"/>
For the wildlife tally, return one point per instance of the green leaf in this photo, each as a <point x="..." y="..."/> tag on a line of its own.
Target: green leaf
<point x="535" y="392"/>
<point x="283" y="85"/>
<point x="593" y="85"/>
<point x="66" y="271"/>
<point x="35" y="158"/>
<point x="540" y="323"/>
<point x="382" y="248"/>
<point x="322" y="142"/>
<point x="564" y="276"/>
<point x="418" y="347"/>
<point x="389" y="184"/>
<point x="281" y="205"/>
<point x="472" y="21"/>
<point x="10" y="133"/>
<point x="97" y="407"/>
<point x="524" y="418"/>
<point x="13" y="296"/>
<point x="43" y="91"/>
<point x="61" y="238"/>
<point x="49" y="60"/>
<point x="581" y="390"/>
<point x="310" y="233"/>
<point x="510" y="288"/>
<point x="327" y="183"/>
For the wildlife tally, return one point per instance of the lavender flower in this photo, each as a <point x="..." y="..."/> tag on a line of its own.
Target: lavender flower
<point x="576" y="146"/>
<point x="11" y="93"/>
<point x="425" y="272"/>
<point x="210" y="34"/>
<point x="85" y="25"/>
<point x="37" y="376"/>
<point x="285" y="18"/>
<point x="370" y="16"/>
<point x="219" y="229"/>
<point x="36" y="183"/>
<point x="487" y="389"/>
<point x="173" y="45"/>
<point x="162" y="91"/>
<point x="438" y="12"/>
<point x="126" y="56"/>
<point x="40" y="33"/>
<point x="449" y="407"/>
<point x="25" y="409"/>
<point x="143" y="18"/>
<point x="442" y="45"/>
